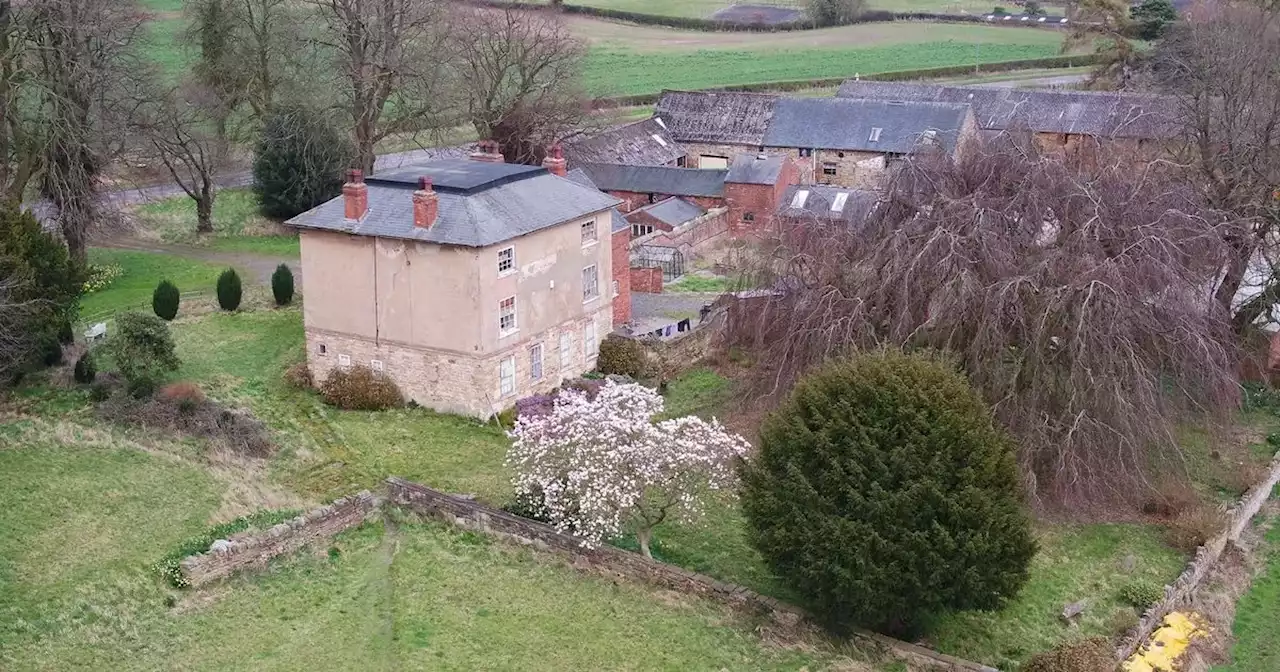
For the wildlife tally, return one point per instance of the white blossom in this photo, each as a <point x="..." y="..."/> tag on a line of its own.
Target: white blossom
<point x="596" y="468"/>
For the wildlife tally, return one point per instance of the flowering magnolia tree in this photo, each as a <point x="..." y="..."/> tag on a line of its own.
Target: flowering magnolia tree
<point x="596" y="467"/>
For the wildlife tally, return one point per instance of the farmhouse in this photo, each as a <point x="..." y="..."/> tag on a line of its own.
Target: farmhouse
<point x="1061" y="120"/>
<point x="470" y="283"/>
<point x="849" y="143"/>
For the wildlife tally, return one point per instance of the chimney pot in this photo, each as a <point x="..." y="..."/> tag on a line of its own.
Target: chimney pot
<point x="355" y="196"/>
<point x="488" y="151"/>
<point x="426" y="204"/>
<point x="555" y="163"/>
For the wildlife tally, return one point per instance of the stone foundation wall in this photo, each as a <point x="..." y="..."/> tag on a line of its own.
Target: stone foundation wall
<point x="254" y="549"/>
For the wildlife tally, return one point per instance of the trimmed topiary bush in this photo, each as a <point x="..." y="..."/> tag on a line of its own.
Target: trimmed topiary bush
<point x="164" y="301"/>
<point x="299" y="161"/>
<point x="1081" y="655"/>
<point x="229" y="292"/>
<point x="359" y="388"/>
<point x="883" y="493"/>
<point x="282" y="285"/>
<point x="85" y="371"/>
<point x="621" y="356"/>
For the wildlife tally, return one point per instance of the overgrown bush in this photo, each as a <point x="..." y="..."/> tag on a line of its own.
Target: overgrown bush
<point x="164" y="301"/>
<point x="99" y="391"/>
<point x="229" y="292"/>
<point x="66" y="336"/>
<point x="359" y="388"/>
<point x="298" y="376"/>
<point x="85" y="371"/>
<point x="184" y="394"/>
<point x="1169" y="498"/>
<point x="282" y="285"/>
<point x="884" y="493"/>
<point x="1141" y="594"/>
<point x="1081" y="655"/>
<point x="40" y="287"/>
<point x="186" y="411"/>
<point x="299" y="162"/>
<point x="834" y="12"/>
<point x="169" y="567"/>
<point x="1190" y="529"/>
<point x="143" y="351"/>
<point x="621" y="356"/>
<point x="51" y="353"/>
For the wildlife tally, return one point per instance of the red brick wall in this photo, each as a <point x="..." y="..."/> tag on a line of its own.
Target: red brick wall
<point x="646" y="280"/>
<point x="622" y="276"/>
<point x="759" y="199"/>
<point x="639" y="217"/>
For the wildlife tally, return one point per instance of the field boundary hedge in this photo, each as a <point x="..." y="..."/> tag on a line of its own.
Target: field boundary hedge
<point x="713" y="25"/>
<point x="1048" y="62"/>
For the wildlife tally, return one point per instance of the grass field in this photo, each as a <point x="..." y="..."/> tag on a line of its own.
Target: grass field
<point x="237" y="226"/>
<point x="702" y="9"/>
<point x="142" y="272"/>
<point x="1256" y="647"/>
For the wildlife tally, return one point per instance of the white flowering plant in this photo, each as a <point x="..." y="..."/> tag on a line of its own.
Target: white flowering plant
<point x="598" y="467"/>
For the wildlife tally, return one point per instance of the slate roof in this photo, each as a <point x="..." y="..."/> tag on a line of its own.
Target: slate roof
<point x="657" y="179"/>
<point x="480" y="204"/>
<point x="643" y="143"/>
<point x="835" y="123"/>
<point x="721" y="117"/>
<point x="1096" y="113"/>
<point x="618" y="221"/>
<point x="818" y="199"/>
<point x="755" y="169"/>
<point x="672" y="211"/>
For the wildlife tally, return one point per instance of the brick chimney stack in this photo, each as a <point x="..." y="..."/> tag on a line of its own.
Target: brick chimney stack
<point x="355" y="195"/>
<point x="488" y="151"/>
<point x="555" y="163"/>
<point x="426" y="204"/>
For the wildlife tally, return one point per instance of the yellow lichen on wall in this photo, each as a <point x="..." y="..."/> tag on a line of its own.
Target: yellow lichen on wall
<point x="1167" y="643"/>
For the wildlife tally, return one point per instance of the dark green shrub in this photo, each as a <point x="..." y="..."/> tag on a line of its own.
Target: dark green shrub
<point x="359" y="388"/>
<point x="51" y="352"/>
<point x="229" y="290"/>
<point x="42" y="291"/>
<point x="99" y="391"/>
<point x="833" y="12"/>
<point x="1152" y="18"/>
<point x="143" y="351"/>
<point x="85" y="371"/>
<point x="999" y="11"/>
<point x="1081" y="655"/>
<point x="621" y="356"/>
<point x="1141" y="594"/>
<point x="164" y="301"/>
<point x="299" y="162"/>
<point x="883" y="493"/>
<point x="282" y="285"/>
<point x="65" y="335"/>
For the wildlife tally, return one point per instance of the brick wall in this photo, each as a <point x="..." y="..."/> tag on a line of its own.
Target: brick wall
<point x="761" y="200"/>
<point x="454" y="382"/>
<point x="692" y="236"/>
<point x="612" y="561"/>
<point x="646" y="280"/>
<point x="621" y="240"/>
<point x="631" y="200"/>
<point x="642" y="217"/>
<point x="254" y="550"/>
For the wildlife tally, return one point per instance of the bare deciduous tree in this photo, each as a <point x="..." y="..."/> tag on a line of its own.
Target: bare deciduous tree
<point x="390" y="61"/>
<point x="519" y="72"/>
<point x="1077" y="298"/>
<point x="20" y="137"/>
<point x="1223" y="71"/>
<point x="16" y="339"/>
<point x="187" y="129"/>
<point x="87" y="70"/>
<point x="250" y="50"/>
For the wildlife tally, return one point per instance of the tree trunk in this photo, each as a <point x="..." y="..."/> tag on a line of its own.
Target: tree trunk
<point x="204" y="212"/>
<point x="642" y="536"/>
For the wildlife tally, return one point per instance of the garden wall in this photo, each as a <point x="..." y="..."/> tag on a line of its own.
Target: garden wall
<point x="255" y="549"/>
<point x="1184" y="587"/>
<point x="613" y="561"/>
<point x="646" y="280"/>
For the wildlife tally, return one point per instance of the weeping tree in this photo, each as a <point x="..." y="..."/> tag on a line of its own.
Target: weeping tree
<point x="1077" y="297"/>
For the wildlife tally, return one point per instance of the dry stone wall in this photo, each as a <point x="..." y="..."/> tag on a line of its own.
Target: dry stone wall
<point x="254" y="549"/>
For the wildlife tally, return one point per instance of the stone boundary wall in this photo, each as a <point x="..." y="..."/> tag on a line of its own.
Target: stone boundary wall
<point x="468" y="514"/>
<point x="693" y="235"/>
<point x="254" y="549"/>
<point x="1184" y="587"/>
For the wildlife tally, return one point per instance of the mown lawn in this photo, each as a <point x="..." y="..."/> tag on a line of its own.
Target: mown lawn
<point x="237" y="226"/>
<point x="142" y="272"/>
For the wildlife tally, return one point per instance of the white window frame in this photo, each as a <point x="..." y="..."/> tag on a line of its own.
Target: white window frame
<point x="615" y="288"/>
<point x="566" y="349"/>
<point x="507" y="376"/>
<point x="595" y="278"/>
<point x="515" y="318"/>
<point x="512" y="260"/>
<point x="344" y="360"/>
<point x="589" y="235"/>
<point x="376" y="365"/>
<point x="590" y="348"/>
<point x="641" y="230"/>
<point x="535" y="362"/>
<point x="833" y="166"/>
